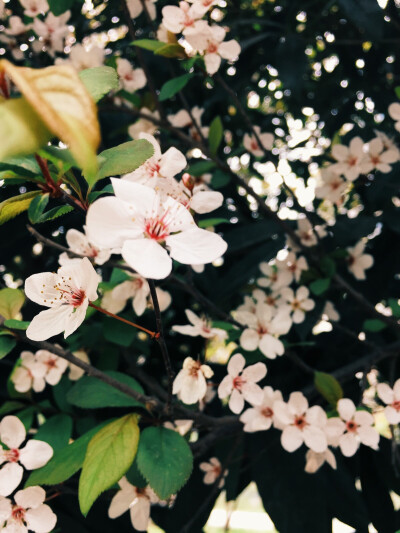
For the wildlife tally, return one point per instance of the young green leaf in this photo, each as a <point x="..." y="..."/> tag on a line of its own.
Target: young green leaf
<point x="165" y="460"/>
<point x="319" y="286"/>
<point x="171" y="87"/>
<point x="58" y="7"/>
<point x="329" y="387"/>
<point x="171" y="50"/>
<point x="6" y="345"/>
<point x="90" y="393"/>
<point x="374" y="325"/>
<point x="99" y="81"/>
<point x="64" y="463"/>
<point x="16" y="324"/>
<point x="148" y="44"/>
<point x="36" y="207"/>
<point x="215" y="134"/>
<point x="109" y="456"/>
<point x="124" y="158"/>
<point x="56" y="212"/>
<point x="11" y="301"/>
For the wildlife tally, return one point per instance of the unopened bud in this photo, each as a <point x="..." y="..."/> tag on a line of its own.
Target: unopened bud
<point x="188" y="181"/>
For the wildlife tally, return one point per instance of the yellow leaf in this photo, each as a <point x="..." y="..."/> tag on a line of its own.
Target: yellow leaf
<point x="11" y="301"/>
<point x="62" y="102"/>
<point x="12" y="207"/>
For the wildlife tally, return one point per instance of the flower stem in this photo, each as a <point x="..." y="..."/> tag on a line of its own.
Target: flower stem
<point x="152" y="334"/>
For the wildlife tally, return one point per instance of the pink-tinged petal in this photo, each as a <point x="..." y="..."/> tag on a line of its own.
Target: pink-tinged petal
<point x="172" y="162"/>
<point x="252" y="393"/>
<point x="316" y="416"/>
<point x="41" y="520"/>
<point x="15" y="527"/>
<point x="236" y="364"/>
<point x="314" y="461"/>
<point x="193" y="390"/>
<point x="297" y="403"/>
<point x="40" y="288"/>
<point x="87" y="278"/>
<point x="212" y="62"/>
<point x="229" y="49"/>
<point x="139" y="302"/>
<point x="271" y="347"/>
<point x="140" y="514"/>
<point x="48" y="323"/>
<point x="315" y="439"/>
<point x="172" y="18"/>
<point x="291" y="438"/>
<point x="282" y="412"/>
<point x="236" y="402"/>
<point x="392" y="415"/>
<point x="255" y="372"/>
<point x="346" y="408"/>
<point x="121" y="501"/>
<point x="31" y="497"/>
<point x="75" y="319"/>
<point x="363" y="418"/>
<point x="5" y="509"/>
<point x="340" y="152"/>
<point x="348" y="444"/>
<point x="196" y="246"/>
<point x="148" y="258"/>
<point x="193" y="318"/>
<point x="369" y="436"/>
<point x="22" y="380"/>
<point x="206" y="467"/>
<point x="357" y="146"/>
<point x="298" y="316"/>
<point x="10" y="477"/>
<point x="335" y="427"/>
<point x="35" y="454"/>
<point x="12" y="431"/>
<point x="192" y="331"/>
<point x="109" y="222"/>
<point x="77" y="241"/>
<point x="225" y="387"/>
<point x="249" y="340"/>
<point x="394" y="111"/>
<point x="206" y="201"/>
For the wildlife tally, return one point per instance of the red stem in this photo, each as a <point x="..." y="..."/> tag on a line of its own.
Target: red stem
<point x="152" y="334"/>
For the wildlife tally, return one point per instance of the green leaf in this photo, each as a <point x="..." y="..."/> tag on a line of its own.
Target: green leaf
<point x="329" y="387"/>
<point x="21" y="166"/>
<point x="171" y="87"/>
<point x="124" y="158"/>
<point x="149" y="44"/>
<point x="61" y="158"/>
<point x="201" y="167"/>
<point x="220" y="179"/>
<point x="319" y="286"/>
<point x="119" y="333"/>
<point x="6" y="345"/>
<point x="12" y="207"/>
<point x="397" y="91"/>
<point x="64" y="463"/>
<point x="55" y="213"/>
<point x="171" y="50"/>
<point x="91" y="393"/>
<point x="10" y="407"/>
<point x="374" y="325"/>
<point x="212" y="222"/>
<point x="109" y="456"/>
<point x="58" y="7"/>
<point x="215" y="134"/>
<point x="11" y="301"/>
<point x="99" y="81"/>
<point x="56" y="431"/>
<point x="37" y="206"/>
<point x="16" y="324"/>
<point x="165" y="460"/>
<point x="395" y="307"/>
<point x="19" y="121"/>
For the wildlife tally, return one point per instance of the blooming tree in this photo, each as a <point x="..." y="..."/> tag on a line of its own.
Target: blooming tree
<point x="231" y="170"/>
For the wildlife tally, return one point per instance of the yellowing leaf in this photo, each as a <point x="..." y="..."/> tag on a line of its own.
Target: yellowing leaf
<point x="21" y="130"/>
<point x="11" y="301"/>
<point x="64" y="105"/>
<point x="14" y="206"/>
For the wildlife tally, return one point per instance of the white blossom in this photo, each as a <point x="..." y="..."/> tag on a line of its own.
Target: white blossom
<point x="190" y="384"/>
<point x="213" y="471"/>
<point x="391" y="397"/>
<point x="251" y="144"/>
<point x="357" y="261"/>
<point x="262" y="417"/>
<point x="199" y="326"/>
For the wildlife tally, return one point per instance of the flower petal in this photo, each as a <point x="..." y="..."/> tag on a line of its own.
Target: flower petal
<point x="40" y="288"/>
<point x="10" y="477"/>
<point x="31" y="497"/>
<point x="148" y="258"/>
<point x="12" y="431"/>
<point x="236" y="364"/>
<point x="291" y="438"/>
<point x="48" y="323"/>
<point x="35" y="454"/>
<point x="41" y="520"/>
<point x="196" y="246"/>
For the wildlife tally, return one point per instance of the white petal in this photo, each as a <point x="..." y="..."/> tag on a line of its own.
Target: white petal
<point x="140" y="514"/>
<point x="172" y="162"/>
<point x="148" y="258"/>
<point x="109" y="223"/>
<point x="291" y="438"/>
<point x="10" y="477"/>
<point x="252" y="393"/>
<point x="346" y="408"/>
<point x="40" y="288"/>
<point x="41" y="520"/>
<point x="298" y="403"/>
<point x="196" y="246"/>
<point x="212" y="62"/>
<point x="31" y="497"/>
<point x="121" y="502"/>
<point x="315" y="439"/>
<point x="369" y="437"/>
<point x="270" y="346"/>
<point x="206" y="201"/>
<point x="348" y="444"/>
<point x="255" y="372"/>
<point x="48" y="323"/>
<point x="35" y="454"/>
<point x="236" y="402"/>
<point x="12" y="431"/>
<point x="229" y="49"/>
<point x="249" y="340"/>
<point x="236" y="364"/>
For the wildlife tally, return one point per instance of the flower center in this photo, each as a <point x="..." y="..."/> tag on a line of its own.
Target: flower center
<point x="396" y="405"/>
<point x="194" y="369"/>
<point x="18" y="514"/>
<point x="12" y="456"/>
<point x="254" y="145"/>
<point x="156" y="228"/>
<point x="51" y="363"/>
<point x="300" y="422"/>
<point x="352" y="161"/>
<point x="296" y="304"/>
<point x="153" y="168"/>
<point x="267" y="412"/>
<point x="238" y="382"/>
<point x="212" y="49"/>
<point x="351" y="426"/>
